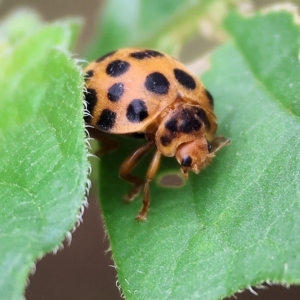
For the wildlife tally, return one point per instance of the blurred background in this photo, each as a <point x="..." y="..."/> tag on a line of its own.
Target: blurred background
<point x="84" y="270"/>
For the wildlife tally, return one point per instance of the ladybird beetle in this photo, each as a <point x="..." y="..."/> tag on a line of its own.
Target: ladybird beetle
<point x="145" y="92"/>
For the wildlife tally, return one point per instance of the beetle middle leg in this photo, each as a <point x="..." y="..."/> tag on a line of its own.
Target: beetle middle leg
<point x="152" y="170"/>
<point x="128" y="165"/>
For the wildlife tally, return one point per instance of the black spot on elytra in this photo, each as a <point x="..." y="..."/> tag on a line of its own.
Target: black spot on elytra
<point x="136" y="111"/>
<point x="145" y="54"/>
<point x="202" y="116"/>
<point x="115" y="92"/>
<point x="186" y="161"/>
<point x="172" y="125"/>
<point x="166" y="139"/>
<point x="117" y="68"/>
<point x="185" y="79"/>
<point x="88" y="74"/>
<point x="210" y="98"/>
<point x="157" y="83"/>
<point x="90" y="96"/>
<point x="106" y="120"/>
<point x="105" y="56"/>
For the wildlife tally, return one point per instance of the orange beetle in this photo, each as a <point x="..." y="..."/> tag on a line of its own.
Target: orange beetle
<point x="140" y="91"/>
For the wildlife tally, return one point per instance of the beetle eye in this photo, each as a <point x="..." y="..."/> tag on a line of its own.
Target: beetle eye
<point x="209" y="147"/>
<point x="186" y="161"/>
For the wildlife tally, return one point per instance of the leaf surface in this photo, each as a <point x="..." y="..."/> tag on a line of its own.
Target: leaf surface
<point x="43" y="166"/>
<point x="237" y="223"/>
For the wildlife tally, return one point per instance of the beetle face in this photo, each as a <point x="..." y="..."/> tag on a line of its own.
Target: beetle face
<point x="194" y="156"/>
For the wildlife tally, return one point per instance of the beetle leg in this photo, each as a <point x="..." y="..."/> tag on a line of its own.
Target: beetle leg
<point x="107" y="144"/>
<point x="152" y="170"/>
<point x="128" y="165"/>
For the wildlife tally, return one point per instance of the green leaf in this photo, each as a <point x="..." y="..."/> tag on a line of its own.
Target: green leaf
<point x="237" y="223"/>
<point x="43" y="166"/>
<point x="164" y="25"/>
